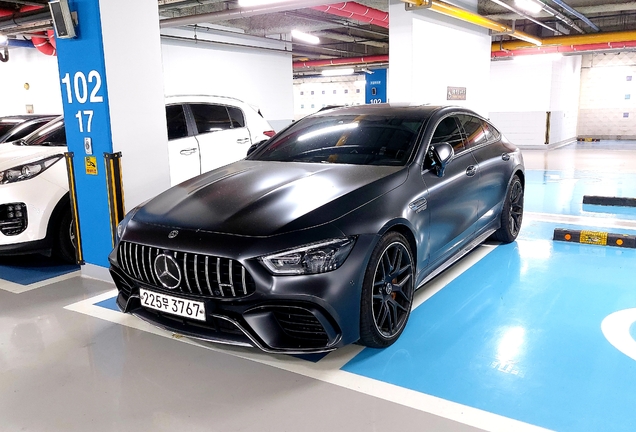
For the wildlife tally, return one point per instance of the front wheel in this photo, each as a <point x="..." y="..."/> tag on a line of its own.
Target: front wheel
<point x="387" y="292"/>
<point x="512" y="213"/>
<point x="65" y="241"/>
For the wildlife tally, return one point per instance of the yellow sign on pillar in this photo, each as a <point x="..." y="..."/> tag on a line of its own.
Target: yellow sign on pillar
<point x="91" y="165"/>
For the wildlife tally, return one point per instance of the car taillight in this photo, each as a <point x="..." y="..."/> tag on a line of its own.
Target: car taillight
<point x="269" y="133"/>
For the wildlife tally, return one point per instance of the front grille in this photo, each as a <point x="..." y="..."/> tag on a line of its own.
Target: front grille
<point x="13" y="218"/>
<point x="299" y="323"/>
<point x="201" y="275"/>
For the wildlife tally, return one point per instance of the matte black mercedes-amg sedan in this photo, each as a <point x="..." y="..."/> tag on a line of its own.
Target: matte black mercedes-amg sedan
<point x="320" y="237"/>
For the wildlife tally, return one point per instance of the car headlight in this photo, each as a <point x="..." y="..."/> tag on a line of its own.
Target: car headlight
<point x="27" y="171"/>
<point x="310" y="259"/>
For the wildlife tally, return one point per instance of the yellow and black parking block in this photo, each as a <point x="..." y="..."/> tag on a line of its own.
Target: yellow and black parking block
<point x="609" y="201"/>
<point x="594" y="238"/>
<point x="585" y="139"/>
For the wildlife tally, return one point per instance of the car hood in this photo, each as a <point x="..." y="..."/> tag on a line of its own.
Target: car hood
<point x="15" y="155"/>
<point x="255" y="198"/>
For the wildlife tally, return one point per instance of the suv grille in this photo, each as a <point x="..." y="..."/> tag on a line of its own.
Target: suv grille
<point x="201" y="275"/>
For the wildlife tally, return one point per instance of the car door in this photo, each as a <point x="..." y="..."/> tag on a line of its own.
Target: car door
<point x="484" y="142"/>
<point x="221" y="133"/>
<point x="452" y="199"/>
<point x="183" y="148"/>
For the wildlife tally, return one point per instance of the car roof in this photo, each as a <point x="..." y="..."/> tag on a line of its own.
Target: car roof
<point x="202" y="98"/>
<point x="390" y="109"/>
<point x="24" y="117"/>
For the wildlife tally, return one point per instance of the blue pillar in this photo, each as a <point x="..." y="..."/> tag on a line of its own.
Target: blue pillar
<point x="375" y="91"/>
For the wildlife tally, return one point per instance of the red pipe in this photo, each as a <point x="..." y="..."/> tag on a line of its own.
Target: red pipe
<point x="342" y="61"/>
<point x="9" y="12"/>
<point x="45" y="44"/>
<point x="564" y="49"/>
<point x="357" y="12"/>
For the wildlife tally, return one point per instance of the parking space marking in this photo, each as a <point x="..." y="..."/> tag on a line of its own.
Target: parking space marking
<point x="329" y="369"/>
<point x="580" y="220"/>
<point x="16" y="288"/>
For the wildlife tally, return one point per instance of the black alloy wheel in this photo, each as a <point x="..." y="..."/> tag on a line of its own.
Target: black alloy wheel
<point x="512" y="213"/>
<point x="387" y="293"/>
<point x="65" y="247"/>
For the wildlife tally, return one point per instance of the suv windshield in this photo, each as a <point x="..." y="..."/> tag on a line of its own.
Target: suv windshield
<point x="51" y="134"/>
<point x="345" y="138"/>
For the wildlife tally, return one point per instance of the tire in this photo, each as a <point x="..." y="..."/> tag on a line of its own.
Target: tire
<point x="65" y="239"/>
<point x="387" y="292"/>
<point x="512" y="213"/>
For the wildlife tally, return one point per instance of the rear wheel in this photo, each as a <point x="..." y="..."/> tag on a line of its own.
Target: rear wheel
<point x="65" y="240"/>
<point x="512" y="213"/>
<point x="387" y="292"/>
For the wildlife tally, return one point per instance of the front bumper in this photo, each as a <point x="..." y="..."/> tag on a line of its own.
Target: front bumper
<point x="40" y="195"/>
<point x="289" y="314"/>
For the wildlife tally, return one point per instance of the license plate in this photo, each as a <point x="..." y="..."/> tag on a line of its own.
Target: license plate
<point x="172" y="305"/>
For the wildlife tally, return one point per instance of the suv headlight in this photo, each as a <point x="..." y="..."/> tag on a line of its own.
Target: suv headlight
<point x="313" y="258"/>
<point x="121" y="228"/>
<point x="27" y="171"/>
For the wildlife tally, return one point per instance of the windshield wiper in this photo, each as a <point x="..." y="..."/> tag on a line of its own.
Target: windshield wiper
<point x="20" y="142"/>
<point x="51" y="144"/>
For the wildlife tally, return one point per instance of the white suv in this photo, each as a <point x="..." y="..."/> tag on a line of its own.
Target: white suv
<point x="204" y="132"/>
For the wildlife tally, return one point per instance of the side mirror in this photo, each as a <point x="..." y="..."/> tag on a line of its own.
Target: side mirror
<point x="253" y="147"/>
<point x="440" y="154"/>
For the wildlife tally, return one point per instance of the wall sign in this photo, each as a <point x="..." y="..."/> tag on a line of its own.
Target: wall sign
<point x="91" y="165"/>
<point x="375" y="91"/>
<point x="455" y="93"/>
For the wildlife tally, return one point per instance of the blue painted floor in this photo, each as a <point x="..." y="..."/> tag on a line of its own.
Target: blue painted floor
<point x="29" y="269"/>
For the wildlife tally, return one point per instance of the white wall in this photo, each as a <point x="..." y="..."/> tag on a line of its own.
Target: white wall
<point x="604" y="96"/>
<point x="312" y="94"/>
<point x="422" y="67"/>
<point x="27" y="65"/>
<point x="259" y="76"/>
<point x="522" y="92"/>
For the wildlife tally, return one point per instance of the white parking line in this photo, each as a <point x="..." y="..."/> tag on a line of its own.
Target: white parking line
<point x="19" y="289"/>
<point x="329" y="368"/>
<point x="581" y="220"/>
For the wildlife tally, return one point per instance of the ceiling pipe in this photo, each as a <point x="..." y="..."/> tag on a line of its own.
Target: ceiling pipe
<point x="597" y="9"/>
<point x="569" y="9"/>
<point x="341" y="61"/>
<point x="558" y="15"/>
<point x="595" y="38"/>
<point x="356" y="11"/>
<point x="46" y="43"/>
<point x="26" y="18"/>
<point x="473" y="18"/>
<point x="525" y="16"/>
<point x="10" y="12"/>
<point x="236" y="13"/>
<point x="597" y="47"/>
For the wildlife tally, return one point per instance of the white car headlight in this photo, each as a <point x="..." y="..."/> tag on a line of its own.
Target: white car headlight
<point x="310" y="259"/>
<point x="27" y="171"/>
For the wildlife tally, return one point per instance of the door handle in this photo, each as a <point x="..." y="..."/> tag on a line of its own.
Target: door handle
<point x="471" y="170"/>
<point x="242" y="140"/>
<point x="188" y="152"/>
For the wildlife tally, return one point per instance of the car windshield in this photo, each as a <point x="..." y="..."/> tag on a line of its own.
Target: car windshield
<point x="51" y="134"/>
<point x="346" y="139"/>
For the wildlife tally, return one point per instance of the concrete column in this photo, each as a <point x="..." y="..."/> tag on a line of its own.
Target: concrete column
<point x="112" y="91"/>
<point x="430" y="52"/>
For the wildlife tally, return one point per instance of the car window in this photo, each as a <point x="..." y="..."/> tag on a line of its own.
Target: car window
<point x="176" y="121"/>
<point x="25" y="129"/>
<point x="53" y="134"/>
<point x="6" y="127"/>
<point x="236" y="116"/>
<point x="475" y="134"/>
<point x="210" y="118"/>
<point x="448" y="131"/>
<point x="492" y="134"/>
<point x="347" y="139"/>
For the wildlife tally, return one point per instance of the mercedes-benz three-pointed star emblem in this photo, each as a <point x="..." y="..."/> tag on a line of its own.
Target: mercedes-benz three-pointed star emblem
<point x="167" y="271"/>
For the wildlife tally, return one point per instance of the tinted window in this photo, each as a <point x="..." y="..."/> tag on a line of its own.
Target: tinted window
<point x="475" y="134"/>
<point x="347" y="139"/>
<point x="448" y="131"/>
<point x="6" y="127"/>
<point x="210" y="118"/>
<point x="52" y="134"/>
<point x="176" y="120"/>
<point x="25" y="129"/>
<point x="492" y="134"/>
<point x="236" y="116"/>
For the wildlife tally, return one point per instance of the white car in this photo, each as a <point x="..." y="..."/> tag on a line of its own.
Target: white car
<point x="204" y="132"/>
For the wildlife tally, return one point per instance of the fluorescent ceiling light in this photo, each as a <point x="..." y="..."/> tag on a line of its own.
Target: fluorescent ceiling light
<point x="536" y="58"/>
<point x="531" y="6"/>
<point x="328" y="130"/>
<point x="297" y="34"/>
<point x="336" y="72"/>
<point x="250" y="3"/>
